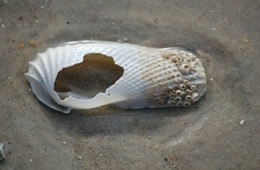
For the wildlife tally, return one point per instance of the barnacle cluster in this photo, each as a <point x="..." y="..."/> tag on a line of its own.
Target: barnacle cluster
<point x="183" y="61"/>
<point x="184" y="92"/>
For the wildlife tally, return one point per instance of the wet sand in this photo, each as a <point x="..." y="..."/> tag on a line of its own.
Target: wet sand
<point x="219" y="132"/>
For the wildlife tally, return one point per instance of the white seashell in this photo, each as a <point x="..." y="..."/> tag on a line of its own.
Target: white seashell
<point x="148" y="75"/>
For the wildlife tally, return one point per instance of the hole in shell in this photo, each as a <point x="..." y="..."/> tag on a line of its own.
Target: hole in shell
<point x="182" y="86"/>
<point x="178" y="99"/>
<point x="179" y="58"/>
<point x="93" y="75"/>
<point x="188" y="98"/>
<point x="186" y="66"/>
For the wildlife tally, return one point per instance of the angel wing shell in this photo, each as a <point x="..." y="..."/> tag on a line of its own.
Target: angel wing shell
<point x="150" y="77"/>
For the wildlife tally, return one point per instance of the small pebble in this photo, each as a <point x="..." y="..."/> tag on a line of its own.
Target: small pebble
<point x="33" y="43"/>
<point x="245" y="40"/>
<point x="20" y="46"/>
<point x="3" y="25"/>
<point x="42" y="7"/>
<point x="211" y="79"/>
<point x="125" y="39"/>
<point x="200" y="52"/>
<point x="64" y="142"/>
<point x="214" y="29"/>
<point x="30" y="160"/>
<point x="79" y="157"/>
<point x="242" y="122"/>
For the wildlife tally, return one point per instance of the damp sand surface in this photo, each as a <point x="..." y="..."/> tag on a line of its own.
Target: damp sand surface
<point x="221" y="131"/>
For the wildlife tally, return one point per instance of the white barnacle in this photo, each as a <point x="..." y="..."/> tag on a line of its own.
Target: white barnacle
<point x="187" y="82"/>
<point x="185" y="68"/>
<point x="186" y="104"/>
<point x="188" y="98"/>
<point x="176" y="58"/>
<point x="179" y="92"/>
<point x="182" y="86"/>
<point x="189" y="92"/>
<point x="193" y="87"/>
<point x="171" y="102"/>
<point x="180" y="103"/>
<point x="178" y="99"/>
<point x="172" y="94"/>
<point x="195" y="97"/>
